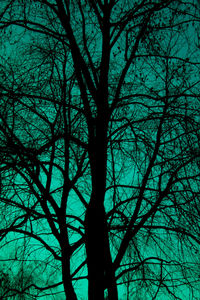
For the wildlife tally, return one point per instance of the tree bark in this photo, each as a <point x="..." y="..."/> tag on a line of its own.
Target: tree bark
<point x="95" y="216"/>
<point x="67" y="281"/>
<point x="110" y="281"/>
<point x="95" y="251"/>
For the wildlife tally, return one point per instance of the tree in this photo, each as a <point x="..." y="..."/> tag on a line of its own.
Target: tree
<point x="99" y="143"/>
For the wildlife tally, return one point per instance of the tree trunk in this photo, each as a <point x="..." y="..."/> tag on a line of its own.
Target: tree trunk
<point x="65" y="251"/>
<point x="95" y="216"/>
<point x="67" y="281"/>
<point x="95" y="251"/>
<point x="110" y="281"/>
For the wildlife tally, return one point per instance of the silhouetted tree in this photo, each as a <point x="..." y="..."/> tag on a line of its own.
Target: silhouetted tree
<point x="99" y="146"/>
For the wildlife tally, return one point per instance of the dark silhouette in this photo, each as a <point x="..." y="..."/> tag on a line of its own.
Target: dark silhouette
<point x="99" y="148"/>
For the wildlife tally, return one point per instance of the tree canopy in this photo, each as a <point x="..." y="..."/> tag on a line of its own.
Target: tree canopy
<point x="99" y="149"/>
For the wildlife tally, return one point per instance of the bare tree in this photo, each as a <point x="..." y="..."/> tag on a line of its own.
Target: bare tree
<point x="99" y="146"/>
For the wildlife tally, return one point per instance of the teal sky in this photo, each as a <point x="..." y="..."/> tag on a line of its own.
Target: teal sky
<point x="38" y="75"/>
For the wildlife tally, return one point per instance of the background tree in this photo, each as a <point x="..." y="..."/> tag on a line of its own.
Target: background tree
<point x="99" y="143"/>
